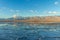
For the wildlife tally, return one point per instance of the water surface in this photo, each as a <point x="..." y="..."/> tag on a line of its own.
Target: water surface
<point x="26" y="31"/>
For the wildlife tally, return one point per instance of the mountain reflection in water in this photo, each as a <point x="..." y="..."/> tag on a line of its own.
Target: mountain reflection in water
<point x="26" y="31"/>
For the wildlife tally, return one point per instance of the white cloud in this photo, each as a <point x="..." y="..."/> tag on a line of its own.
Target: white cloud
<point x="31" y="11"/>
<point x="11" y="10"/>
<point x="52" y="12"/>
<point x="17" y="10"/>
<point x="14" y="16"/>
<point x="36" y="11"/>
<point x="49" y="12"/>
<point x="56" y="3"/>
<point x="4" y="10"/>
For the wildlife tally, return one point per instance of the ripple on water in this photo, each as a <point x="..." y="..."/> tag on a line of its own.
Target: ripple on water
<point x="28" y="32"/>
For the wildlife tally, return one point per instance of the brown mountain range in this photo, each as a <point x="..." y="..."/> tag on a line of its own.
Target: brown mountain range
<point x="46" y="19"/>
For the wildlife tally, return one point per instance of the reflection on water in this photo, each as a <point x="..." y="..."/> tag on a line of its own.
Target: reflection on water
<point x="26" y="31"/>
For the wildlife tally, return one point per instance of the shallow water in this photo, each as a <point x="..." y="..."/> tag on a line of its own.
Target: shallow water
<point x="25" y="31"/>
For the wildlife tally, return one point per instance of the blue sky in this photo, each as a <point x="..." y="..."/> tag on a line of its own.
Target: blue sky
<point x="9" y="8"/>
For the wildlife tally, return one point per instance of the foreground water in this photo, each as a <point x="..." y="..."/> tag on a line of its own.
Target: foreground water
<point x="25" y="31"/>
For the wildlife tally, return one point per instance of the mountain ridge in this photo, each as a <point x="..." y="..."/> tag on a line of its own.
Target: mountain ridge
<point x="35" y="19"/>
